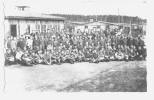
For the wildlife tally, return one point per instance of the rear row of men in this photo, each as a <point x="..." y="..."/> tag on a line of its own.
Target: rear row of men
<point x="65" y="47"/>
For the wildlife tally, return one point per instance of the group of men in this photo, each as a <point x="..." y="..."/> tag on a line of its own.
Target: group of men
<point x="59" y="47"/>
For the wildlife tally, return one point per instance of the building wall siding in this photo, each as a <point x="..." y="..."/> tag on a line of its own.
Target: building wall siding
<point x="91" y="26"/>
<point x="22" y="25"/>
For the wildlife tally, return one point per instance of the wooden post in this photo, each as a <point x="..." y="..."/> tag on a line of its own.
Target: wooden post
<point x="130" y="32"/>
<point x="18" y="29"/>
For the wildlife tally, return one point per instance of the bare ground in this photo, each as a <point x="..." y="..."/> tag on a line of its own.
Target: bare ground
<point x="102" y="77"/>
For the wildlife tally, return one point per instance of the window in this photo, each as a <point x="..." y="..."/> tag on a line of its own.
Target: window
<point x="94" y="28"/>
<point x="50" y="27"/>
<point x="86" y="26"/>
<point x="98" y="26"/>
<point x="28" y="28"/>
<point x="43" y="28"/>
<point x="37" y="27"/>
<point x="58" y="27"/>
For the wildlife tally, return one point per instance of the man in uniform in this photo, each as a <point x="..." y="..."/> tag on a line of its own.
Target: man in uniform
<point x="9" y="58"/>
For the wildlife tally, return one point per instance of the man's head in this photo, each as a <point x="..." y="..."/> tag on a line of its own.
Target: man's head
<point x="8" y="51"/>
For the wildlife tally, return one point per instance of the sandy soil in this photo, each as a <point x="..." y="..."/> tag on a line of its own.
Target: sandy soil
<point x="59" y="77"/>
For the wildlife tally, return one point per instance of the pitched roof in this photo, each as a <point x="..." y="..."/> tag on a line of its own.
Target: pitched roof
<point x="99" y="22"/>
<point x="22" y="15"/>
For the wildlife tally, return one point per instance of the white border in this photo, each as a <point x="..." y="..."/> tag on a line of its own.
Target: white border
<point x="77" y="96"/>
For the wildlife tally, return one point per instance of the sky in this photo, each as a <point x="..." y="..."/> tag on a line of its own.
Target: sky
<point x="84" y="7"/>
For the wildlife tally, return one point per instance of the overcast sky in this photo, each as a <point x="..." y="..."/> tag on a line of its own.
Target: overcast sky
<point x="86" y="7"/>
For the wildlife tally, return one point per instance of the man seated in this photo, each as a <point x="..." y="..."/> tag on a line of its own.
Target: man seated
<point x="119" y="55"/>
<point x="101" y="55"/>
<point x="80" y="56"/>
<point x="40" y="54"/>
<point x="35" y="57"/>
<point x="9" y="58"/>
<point x="47" y="58"/>
<point x="132" y="53"/>
<point x="94" y="57"/>
<point x="68" y="58"/>
<point x="26" y="59"/>
<point x="58" y="57"/>
<point x="19" y="54"/>
<point x="62" y="56"/>
<point x="76" y="54"/>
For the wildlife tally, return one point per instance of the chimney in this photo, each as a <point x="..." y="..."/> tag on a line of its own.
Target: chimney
<point x="22" y="8"/>
<point x="91" y="20"/>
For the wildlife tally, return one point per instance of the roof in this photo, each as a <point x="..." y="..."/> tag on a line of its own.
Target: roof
<point x="103" y="22"/>
<point x="22" y="15"/>
<point x="78" y="23"/>
<point x="95" y="22"/>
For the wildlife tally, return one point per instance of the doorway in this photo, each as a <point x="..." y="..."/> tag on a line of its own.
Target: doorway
<point x="13" y="30"/>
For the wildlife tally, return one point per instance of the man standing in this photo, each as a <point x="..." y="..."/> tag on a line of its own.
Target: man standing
<point x="29" y="42"/>
<point x="13" y="44"/>
<point x="21" y="43"/>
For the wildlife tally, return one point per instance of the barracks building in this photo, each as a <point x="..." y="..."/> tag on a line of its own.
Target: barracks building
<point x="22" y="22"/>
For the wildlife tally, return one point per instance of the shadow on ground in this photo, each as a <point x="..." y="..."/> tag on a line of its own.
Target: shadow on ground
<point x="125" y="80"/>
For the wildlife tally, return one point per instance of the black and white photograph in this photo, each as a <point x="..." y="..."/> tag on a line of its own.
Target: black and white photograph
<point x="75" y="46"/>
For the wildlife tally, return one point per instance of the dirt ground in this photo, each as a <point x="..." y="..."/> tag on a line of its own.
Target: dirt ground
<point x="119" y="76"/>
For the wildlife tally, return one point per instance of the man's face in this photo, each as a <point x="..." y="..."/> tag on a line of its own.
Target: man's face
<point x="8" y="51"/>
